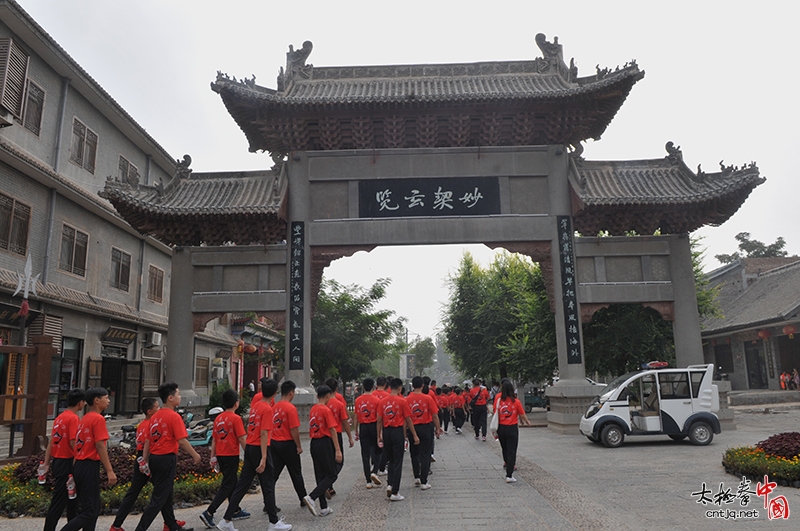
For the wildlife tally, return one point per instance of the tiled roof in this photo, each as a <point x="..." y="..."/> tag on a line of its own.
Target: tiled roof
<point x="614" y="195"/>
<point x="56" y="294"/>
<point x="772" y="297"/>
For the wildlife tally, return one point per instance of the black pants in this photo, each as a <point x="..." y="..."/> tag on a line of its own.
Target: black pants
<point x="87" y="482"/>
<point x="341" y="447"/>
<point x="509" y="440"/>
<point x="444" y="418"/>
<point x="284" y="454"/>
<point x="162" y="473"/>
<point x="479" y="419"/>
<point x="421" y="453"/>
<point x="393" y="440"/>
<point x="138" y="481"/>
<point x="252" y="458"/>
<point x="370" y="453"/>
<point x="323" y="453"/>
<point x="229" y="467"/>
<point x="460" y="418"/>
<point x="61" y="468"/>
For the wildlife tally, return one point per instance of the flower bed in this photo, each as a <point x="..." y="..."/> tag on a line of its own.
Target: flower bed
<point x="20" y="492"/>
<point x="777" y="457"/>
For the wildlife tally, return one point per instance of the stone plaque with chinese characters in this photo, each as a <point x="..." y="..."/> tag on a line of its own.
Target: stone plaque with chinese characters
<point x="294" y="328"/>
<point x="569" y="290"/>
<point x="460" y="196"/>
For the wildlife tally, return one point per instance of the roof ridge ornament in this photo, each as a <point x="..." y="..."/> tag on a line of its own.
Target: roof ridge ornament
<point x="674" y="153"/>
<point x="296" y="66"/>
<point x="553" y="54"/>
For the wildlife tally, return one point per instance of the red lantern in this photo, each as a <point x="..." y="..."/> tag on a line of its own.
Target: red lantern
<point x="790" y="330"/>
<point x="250" y="348"/>
<point x="764" y="334"/>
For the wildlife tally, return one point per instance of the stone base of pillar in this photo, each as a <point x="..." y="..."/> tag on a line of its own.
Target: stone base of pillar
<point x="725" y="413"/>
<point x="569" y="400"/>
<point x="304" y="398"/>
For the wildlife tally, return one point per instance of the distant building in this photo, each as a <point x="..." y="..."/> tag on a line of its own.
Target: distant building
<point x="104" y="288"/>
<point x="754" y="341"/>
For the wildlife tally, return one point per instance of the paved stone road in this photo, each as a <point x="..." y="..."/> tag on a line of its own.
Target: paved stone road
<point x="565" y="483"/>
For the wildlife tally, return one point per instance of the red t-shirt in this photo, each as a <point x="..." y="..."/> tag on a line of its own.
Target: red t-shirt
<point x="380" y="393"/>
<point x="457" y="401"/>
<point x="367" y="408"/>
<point x="442" y="401"/>
<point x="509" y="411"/>
<point x="393" y="410"/>
<point x="339" y="409"/>
<point x="284" y="418"/>
<point x="166" y="429"/>
<point x="483" y="395"/>
<point x="228" y="427"/>
<point x="65" y="427"/>
<point x="91" y="428"/>
<point x="423" y="407"/>
<point x="320" y="421"/>
<point x="258" y="421"/>
<point x="142" y="434"/>
<point x="259" y="396"/>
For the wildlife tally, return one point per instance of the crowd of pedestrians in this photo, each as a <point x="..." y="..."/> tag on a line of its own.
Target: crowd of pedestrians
<point x="388" y="422"/>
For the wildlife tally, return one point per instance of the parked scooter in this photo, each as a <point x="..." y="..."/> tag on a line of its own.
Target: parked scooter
<point x="200" y="433"/>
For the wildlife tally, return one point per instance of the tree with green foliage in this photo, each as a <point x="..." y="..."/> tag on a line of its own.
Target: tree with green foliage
<point x="348" y="331"/>
<point x="423" y="350"/>
<point x="753" y="249"/>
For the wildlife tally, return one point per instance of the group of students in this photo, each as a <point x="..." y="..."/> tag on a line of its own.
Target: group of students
<point x="386" y="421"/>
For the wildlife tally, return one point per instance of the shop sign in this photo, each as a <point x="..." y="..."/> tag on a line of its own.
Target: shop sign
<point x="9" y="315"/>
<point x="119" y="336"/>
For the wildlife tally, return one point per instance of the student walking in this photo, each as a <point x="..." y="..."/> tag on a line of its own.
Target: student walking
<point x="478" y="398"/>
<point x="60" y="454"/>
<point x="149" y="407"/>
<point x="510" y="411"/>
<point x="257" y="462"/>
<point x="339" y="408"/>
<point x="90" y="452"/>
<point x="381" y="383"/>
<point x="227" y="437"/>
<point x="366" y="430"/>
<point x="425" y="419"/>
<point x="394" y="416"/>
<point x="443" y="403"/>
<point x="167" y="434"/>
<point x="459" y="408"/>
<point x="325" y="451"/>
<point x="285" y="447"/>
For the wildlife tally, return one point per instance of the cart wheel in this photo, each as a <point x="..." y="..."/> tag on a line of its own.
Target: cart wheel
<point x="612" y="435"/>
<point x="528" y="408"/>
<point x="700" y="433"/>
<point x="677" y="437"/>
<point x="596" y="441"/>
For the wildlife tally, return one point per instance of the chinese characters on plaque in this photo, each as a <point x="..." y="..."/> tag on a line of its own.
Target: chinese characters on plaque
<point x="462" y="196"/>
<point x="569" y="290"/>
<point x="296" y="292"/>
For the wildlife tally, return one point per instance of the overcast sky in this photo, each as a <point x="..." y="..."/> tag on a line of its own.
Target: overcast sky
<point x="721" y="82"/>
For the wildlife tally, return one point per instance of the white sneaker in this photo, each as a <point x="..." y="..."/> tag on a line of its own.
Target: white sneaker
<point x="425" y="486"/>
<point x="511" y="480"/>
<point x="383" y="472"/>
<point x="375" y="479"/>
<point x="280" y="525"/>
<point x="312" y="505"/>
<point x="370" y="485"/>
<point x="224" y="525"/>
<point x="397" y="497"/>
<point x="417" y="482"/>
<point x="326" y="511"/>
<point x="388" y="491"/>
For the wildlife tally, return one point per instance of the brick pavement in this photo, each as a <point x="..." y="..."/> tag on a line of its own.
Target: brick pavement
<point x="564" y="483"/>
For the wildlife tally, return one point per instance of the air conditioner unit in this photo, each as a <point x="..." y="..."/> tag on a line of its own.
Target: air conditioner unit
<point x="153" y="338"/>
<point x="217" y="373"/>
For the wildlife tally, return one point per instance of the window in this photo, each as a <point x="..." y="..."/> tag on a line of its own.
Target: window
<point x="14" y="221"/>
<point x="128" y="173"/>
<point x="674" y="385"/>
<point x="201" y="372"/>
<point x="120" y="269"/>
<point x="74" y="245"/>
<point x="34" y="107"/>
<point x="83" y="150"/>
<point x="151" y="376"/>
<point x="13" y="72"/>
<point x="155" y="284"/>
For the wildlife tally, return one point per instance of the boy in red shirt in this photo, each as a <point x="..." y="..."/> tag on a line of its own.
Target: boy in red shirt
<point x="478" y="398"/>
<point x="325" y="450"/>
<point x="257" y="462"/>
<point x="394" y="416"/>
<point x="339" y="408"/>
<point x="227" y="437"/>
<point x="381" y="382"/>
<point x="90" y="451"/>
<point x="285" y="447"/>
<point x="366" y="430"/>
<point x="149" y="407"/>
<point x="459" y="409"/>
<point x="510" y="411"/>
<point x="167" y="434"/>
<point x="425" y="418"/>
<point x="61" y="452"/>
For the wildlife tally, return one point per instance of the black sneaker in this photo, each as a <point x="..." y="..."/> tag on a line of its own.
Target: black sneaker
<point x="208" y="519"/>
<point x="241" y="514"/>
